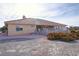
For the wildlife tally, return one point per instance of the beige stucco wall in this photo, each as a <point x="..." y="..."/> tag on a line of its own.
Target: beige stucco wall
<point x="26" y="29"/>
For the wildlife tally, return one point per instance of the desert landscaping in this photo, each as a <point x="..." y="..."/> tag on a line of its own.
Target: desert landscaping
<point x="53" y="44"/>
<point x="36" y="45"/>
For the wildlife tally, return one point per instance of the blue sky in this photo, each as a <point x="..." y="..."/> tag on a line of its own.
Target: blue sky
<point x="66" y="13"/>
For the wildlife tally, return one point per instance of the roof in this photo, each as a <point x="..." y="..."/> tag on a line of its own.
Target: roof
<point x="33" y="21"/>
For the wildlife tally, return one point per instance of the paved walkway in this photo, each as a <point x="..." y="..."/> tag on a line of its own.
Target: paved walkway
<point x="36" y="45"/>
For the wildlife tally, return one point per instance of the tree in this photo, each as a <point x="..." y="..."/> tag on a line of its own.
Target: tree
<point x="74" y="28"/>
<point x="3" y="29"/>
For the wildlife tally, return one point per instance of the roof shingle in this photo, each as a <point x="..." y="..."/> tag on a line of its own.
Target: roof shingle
<point x="33" y="21"/>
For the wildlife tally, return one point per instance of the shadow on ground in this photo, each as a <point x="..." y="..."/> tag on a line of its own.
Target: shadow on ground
<point x="75" y="41"/>
<point x="15" y="40"/>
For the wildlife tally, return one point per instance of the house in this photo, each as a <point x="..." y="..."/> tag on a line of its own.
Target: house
<point x="33" y="25"/>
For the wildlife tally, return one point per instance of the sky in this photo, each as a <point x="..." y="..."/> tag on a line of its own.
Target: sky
<point x="66" y="13"/>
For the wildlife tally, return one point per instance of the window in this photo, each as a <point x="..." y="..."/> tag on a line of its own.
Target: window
<point x="19" y="29"/>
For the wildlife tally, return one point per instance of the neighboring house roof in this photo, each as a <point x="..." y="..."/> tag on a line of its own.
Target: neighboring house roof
<point x="33" y="21"/>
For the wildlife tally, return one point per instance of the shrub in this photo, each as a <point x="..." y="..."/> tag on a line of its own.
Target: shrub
<point x="61" y="36"/>
<point x="3" y="29"/>
<point x="73" y="31"/>
<point x="51" y="36"/>
<point x="68" y="37"/>
<point x="76" y="33"/>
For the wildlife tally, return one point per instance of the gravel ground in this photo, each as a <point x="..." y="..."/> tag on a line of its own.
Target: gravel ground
<point x="36" y="45"/>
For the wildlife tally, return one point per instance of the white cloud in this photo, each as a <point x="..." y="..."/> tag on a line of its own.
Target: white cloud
<point x="11" y="11"/>
<point x="39" y="1"/>
<point x="19" y="9"/>
<point x="73" y="21"/>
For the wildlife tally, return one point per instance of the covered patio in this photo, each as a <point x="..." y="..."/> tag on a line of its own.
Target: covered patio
<point x="44" y="29"/>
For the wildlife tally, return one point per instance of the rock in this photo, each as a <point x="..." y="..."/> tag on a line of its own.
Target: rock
<point x="0" y="52"/>
<point x="10" y="50"/>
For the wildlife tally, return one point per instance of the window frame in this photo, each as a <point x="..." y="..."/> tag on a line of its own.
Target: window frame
<point x="19" y="29"/>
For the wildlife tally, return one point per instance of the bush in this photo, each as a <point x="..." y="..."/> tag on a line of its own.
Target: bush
<point x="61" y="36"/>
<point x="3" y="29"/>
<point x="76" y="33"/>
<point x="68" y="37"/>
